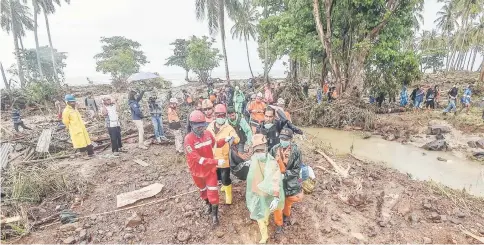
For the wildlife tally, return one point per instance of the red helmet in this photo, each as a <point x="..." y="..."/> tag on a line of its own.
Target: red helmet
<point x="220" y="108"/>
<point x="197" y="116"/>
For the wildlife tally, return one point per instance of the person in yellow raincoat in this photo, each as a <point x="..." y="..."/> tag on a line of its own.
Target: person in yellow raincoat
<point x="221" y="129"/>
<point x="264" y="193"/>
<point x="77" y="130"/>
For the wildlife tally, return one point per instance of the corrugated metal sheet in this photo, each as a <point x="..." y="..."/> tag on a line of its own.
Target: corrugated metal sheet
<point x="4" y="152"/>
<point x="44" y="141"/>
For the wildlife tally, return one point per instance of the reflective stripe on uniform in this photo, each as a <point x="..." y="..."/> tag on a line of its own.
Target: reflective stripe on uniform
<point x="201" y="160"/>
<point x="203" y="189"/>
<point x="212" y="188"/>
<point x="200" y="145"/>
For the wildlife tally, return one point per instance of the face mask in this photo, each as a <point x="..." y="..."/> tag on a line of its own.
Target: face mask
<point x="198" y="131"/>
<point x="268" y="125"/>
<point x="220" y="121"/>
<point x="285" y="143"/>
<point x="261" y="156"/>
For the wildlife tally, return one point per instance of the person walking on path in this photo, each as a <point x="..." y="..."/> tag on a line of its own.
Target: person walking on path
<point x="403" y="97"/>
<point x="221" y="130"/>
<point x="242" y="128"/>
<point x="429" y="98"/>
<point x="289" y="159"/>
<point x="174" y="124"/>
<point x="419" y="96"/>
<point x="256" y="109"/>
<point x="137" y="116"/>
<point x="239" y="99"/>
<point x="272" y="126"/>
<point x="110" y="112"/>
<point x="17" y="120"/>
<point x="319" y="95"/>
<point x="201" y="162"/>
<point x="452" y="100"/>
<point x="466" y="99"/>
<point x="156" y="111"/>
<point x="264" y="192"/>
<point x="268" y="97"/>
<point x="77" y="129"/>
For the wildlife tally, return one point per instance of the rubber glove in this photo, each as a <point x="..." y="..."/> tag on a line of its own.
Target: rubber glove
<point x="274" y="204"/>
<point x="311" y="173"/>
<point x="220" y="162"/>
<point x="229" y="139"/>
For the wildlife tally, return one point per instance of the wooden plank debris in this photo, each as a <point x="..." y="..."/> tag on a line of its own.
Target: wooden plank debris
<point x="11" y="219"/>
<point x="4" y="152"/>
<point x="44" y="141"/>
<point x="141" y="162"/>
<point x="128" y="198"/>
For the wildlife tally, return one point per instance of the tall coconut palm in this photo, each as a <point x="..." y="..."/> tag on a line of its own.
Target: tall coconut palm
<point x="48" y="7"/>
<point x="16" y="18"/>
<point x="214" y="12"/>
<point x="245" y="26"/>
<point x="36" y="6"/>
<point x="7" y="84"/>
<point x="447" y="22"/>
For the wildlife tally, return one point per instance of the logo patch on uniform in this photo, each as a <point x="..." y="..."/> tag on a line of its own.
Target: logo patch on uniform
<point x="189" y="149"/>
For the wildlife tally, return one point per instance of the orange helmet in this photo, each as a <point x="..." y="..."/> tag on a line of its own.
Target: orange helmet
<point x="197" y="117"/>
<point x="220" y="108"/>
<point x="206" y="103"/>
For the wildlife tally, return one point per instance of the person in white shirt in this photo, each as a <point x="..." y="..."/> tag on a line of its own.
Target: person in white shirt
<point x="109" y="110"/>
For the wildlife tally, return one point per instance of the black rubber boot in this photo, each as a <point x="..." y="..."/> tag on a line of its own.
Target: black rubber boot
<point x="209" y="207"/>
<point x="278" y="229"/>
<point x="286" y="220"/>
<point x="214" y="215"/>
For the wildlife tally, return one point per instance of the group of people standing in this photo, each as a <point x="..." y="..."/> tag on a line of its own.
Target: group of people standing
<point x="256" y="126"/>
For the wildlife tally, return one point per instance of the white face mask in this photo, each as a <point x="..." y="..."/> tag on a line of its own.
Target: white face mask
<point x="261" y="156"/>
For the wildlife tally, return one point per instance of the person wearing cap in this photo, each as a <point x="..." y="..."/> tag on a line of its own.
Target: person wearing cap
<point x="77" y="130"/>
<point x="256" y="110"/>
<point x="137" y="116"/>
<point x="198" y="145"/>
<point x="207" y="109"/>
<point x="452" y="100"/>
<point x="174" y="124"/>
<point x="271" y="127"/>
<point x="156" y="110"/>
<point x="289" y="159"/>
<point x="264" y="192"/>
<point x="110" y="112"/>
<point x="220" y="130"/>
<point x="239" y="99"/>
<point x="242" y="128"/>
<point x="91" y="105"/>
<point x="268" y="97"/>
<point x="282" y="103"/>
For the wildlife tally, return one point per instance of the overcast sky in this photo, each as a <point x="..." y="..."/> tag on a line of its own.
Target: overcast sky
<point x="77" y="28"/>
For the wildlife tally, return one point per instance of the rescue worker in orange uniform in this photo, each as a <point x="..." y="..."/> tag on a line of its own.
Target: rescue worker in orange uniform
<point x="207" y="109"/>
<point x="289" y="159"/>
<point x="256" y="109"/>
<point x="201" y="163"/>
<point x="222" y="130"/>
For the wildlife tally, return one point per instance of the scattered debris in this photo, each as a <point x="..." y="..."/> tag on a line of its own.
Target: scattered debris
<point x="141" y="162"/>
<point x="127" y="198"/>
<point x="134" y="220"/>
<point x="437" y="145"/>
<point x="442" y="159"/>
<point x="438" y="129"/>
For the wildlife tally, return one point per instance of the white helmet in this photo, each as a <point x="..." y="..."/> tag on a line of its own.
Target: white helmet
<point x="173" y="100"/>
<point x="259" y="95"/>
<point x="281" y="101"/>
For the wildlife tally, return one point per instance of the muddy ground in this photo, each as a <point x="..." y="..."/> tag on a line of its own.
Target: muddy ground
<point x="373" y="205"/>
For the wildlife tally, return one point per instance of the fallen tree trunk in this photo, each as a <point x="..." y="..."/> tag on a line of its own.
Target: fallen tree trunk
<point x="340" y="170"/>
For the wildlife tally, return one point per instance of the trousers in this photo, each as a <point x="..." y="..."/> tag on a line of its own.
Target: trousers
<point x="178" y="140"/>
<point x="141" y="131"/>
<point x="89" y="149"/>
<point x="115" y="135"/>
<point x="451" y="106"/>
<point x="158" y="126"/>
<point x="223" y="174"/>
<point x="290" y="200"/>
<point x="21" y="124"/>
<point x="208" y="187"/>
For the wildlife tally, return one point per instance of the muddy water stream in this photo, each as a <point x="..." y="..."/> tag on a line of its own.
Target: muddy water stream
<point x="456" y="173"/>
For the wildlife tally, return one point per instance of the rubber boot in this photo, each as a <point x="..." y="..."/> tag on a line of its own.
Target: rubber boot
<point x="286" y="220"/>
<point x="278" y="230"/>
<point x="214" y="215"/>
<point x="263" y="231"/>
<point x="209" y="207"/>
<point x="228" y="194"/>
<point x="222" y="188"/>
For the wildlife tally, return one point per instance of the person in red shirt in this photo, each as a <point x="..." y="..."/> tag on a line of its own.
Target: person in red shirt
<point x="201" y="163"/>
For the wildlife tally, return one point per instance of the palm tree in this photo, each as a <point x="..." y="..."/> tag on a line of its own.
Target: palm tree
<point x="16" y="18"/>
<point x="7" y="84"/>
<point x="48" y="7"/>
<point x="214" y="11"/>
<point x="35" y="3"/>
<point x="245" y="26"/>
<point x="447" y="22"/>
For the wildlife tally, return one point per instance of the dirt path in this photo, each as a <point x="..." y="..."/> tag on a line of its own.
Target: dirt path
<point x="373" y="205"/>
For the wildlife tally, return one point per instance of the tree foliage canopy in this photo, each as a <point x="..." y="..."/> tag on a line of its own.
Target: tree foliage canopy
<point x="180" y="54"/>
<point x="202" y="57"/>
<point x="120" y="57"/>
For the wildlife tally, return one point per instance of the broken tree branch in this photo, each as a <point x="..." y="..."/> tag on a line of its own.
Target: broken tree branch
<point x="340" y="170"/>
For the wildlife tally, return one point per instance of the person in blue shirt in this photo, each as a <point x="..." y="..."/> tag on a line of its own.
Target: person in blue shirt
<point x="319" y="95"/>
<point x="419" y="97"/>
<point x="17" y="119"/>
<point x="137" y="116"/>
<point x="466" y="99"/>
<point x="403" y="97"/>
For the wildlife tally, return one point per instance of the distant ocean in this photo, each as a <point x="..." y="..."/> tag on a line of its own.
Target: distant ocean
<point x="177" y="79"/>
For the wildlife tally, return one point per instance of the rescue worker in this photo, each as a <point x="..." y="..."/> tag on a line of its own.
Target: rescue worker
<point x="264" y="192"/>
<point x="288" y="157"/>
<point x="221" y="130"/>
<point x="77" y="130"/>
<point x="137" y="116"/>
<point x="110" y="111"/>
<point x="201" y="163"/>
<point x="187" y="97"/>
<point x="268" y="97"/>
<point x="282" y="103"/>
<point x="174" y="124"/>
<point x="242" y="128"/>
<point x="213" y="97"/>
<point x="156" y="111"/>
<point x="207" y="109"/>
<point x="272" y="127"/>
<point x="239" y="99"/>
<point x="256" y="110"/>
